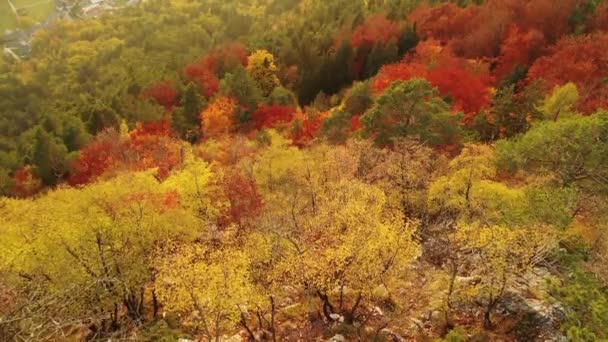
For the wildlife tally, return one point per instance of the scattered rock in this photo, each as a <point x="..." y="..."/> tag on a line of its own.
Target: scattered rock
<point x="392" y="335"/>
<point x="336" y="317"/>
<point x="378" y="311"/>
<point x="337" y="338"/>
<point x="235" y="338"/>
<point x="436" y="316"/>
<point x="468" y="281"/>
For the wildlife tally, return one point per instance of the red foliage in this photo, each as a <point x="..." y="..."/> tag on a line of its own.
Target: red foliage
<point x="243" y="196"/>
<point x="150" y="145"/>
<point x="95" y="159"/>
<point x="443" y="22"/>
<point x="305" y="128"/>
<point x="25" y="183"/>
<point x="582" y="60"/>
<point x="478" y="30"/>
<point x="269" y="116"/>
<point x="519" y="48"/>
<point x="466" y="83"/>
<point x="206" y="71"/>
<point x="398" y="71"/>
<point x="469" y="90"/>
<point x="163" y="93"/>
<point x="206" y="78"/>
<point x="159" y="128"/>
<point x="355" y="123"/>
<point x="599" y="20"/>
<point x="375" y="29"/>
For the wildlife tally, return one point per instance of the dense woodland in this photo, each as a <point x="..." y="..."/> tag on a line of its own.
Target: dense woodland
<point x="306" y="170"/>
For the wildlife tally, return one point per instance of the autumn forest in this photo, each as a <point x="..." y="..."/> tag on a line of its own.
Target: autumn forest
<point x="308" y="170"/>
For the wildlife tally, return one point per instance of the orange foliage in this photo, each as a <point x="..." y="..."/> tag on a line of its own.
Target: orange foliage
<point x="582" y="60"/>
<point x="227" y="150"/>
<point x="218" y="118"/>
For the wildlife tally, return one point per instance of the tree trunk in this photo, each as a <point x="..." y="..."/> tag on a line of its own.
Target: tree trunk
<point x="272" y="312"/>
<point x="328" y="309"/>
<point x="155" y="305"/>
<point x="350" y="316"/>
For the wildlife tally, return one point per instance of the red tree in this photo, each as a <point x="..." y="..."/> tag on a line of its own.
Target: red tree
<point x="150" y="145"/>
<point x="206" y="78"/>
<point x="243" y="196"/>
<point x="582" y="60"/>
<point x="470" y="91"/>
<point x="398" y="71"/>
<point x="478" y="30"/>
<point x="207" y="71"/>
<point x="95" y="159"/>
<point x="467" y="83"/>
<point x="269" y="116"/>
<point x="520" y="48"/>
<point x="25" y="183"/>
<point x="163" y="93"/>
<point x="305" y="127"/>
<point x="375" y="29"/>
<point x="599" y="20"/>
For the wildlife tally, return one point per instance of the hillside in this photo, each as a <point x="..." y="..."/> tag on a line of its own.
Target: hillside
<point x="308" y="170"/>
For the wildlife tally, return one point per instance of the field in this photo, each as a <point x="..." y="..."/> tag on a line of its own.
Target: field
<point x="7" y="18"/>
<point x="37" y="10"/>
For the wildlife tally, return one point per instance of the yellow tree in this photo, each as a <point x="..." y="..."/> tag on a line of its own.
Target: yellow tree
<point x="503" y="255"/>
<point x="340" y="234"/>
<point x="492" y="227"/>
<point x="561" y="102"/>
<point x="262" y="69"/>
<point x="209" y="286"/>
<point x="97" y="240"/>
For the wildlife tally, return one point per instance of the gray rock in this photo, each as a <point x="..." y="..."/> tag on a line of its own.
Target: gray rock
<point x="335" y="317"/>
<point x="392" y="335"/>
<point x="337" y="338"/>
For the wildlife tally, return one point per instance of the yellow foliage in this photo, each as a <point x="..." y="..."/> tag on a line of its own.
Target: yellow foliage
<point x="262" y="69"/>
<point x="210" y="286"/>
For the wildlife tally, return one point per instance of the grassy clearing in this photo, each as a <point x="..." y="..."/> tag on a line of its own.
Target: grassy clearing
<point x="7" y="18"/>
<point x="37" y="11"/>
